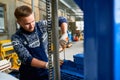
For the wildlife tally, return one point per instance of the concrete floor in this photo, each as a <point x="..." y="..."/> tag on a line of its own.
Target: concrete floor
<point x="77" y="47"/>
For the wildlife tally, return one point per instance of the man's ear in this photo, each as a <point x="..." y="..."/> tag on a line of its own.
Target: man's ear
<point x="18" y="21"/>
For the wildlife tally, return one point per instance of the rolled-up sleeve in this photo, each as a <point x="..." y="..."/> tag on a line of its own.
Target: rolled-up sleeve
<point x="21" y="50"/>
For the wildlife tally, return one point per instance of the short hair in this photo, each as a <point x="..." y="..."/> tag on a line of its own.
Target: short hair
<point x="22" y="11"/>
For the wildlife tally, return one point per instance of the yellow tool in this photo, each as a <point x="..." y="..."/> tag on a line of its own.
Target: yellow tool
<point x="7" y="52"/>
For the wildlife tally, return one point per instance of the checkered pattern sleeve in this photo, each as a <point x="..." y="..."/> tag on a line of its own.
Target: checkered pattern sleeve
<point x="22" y="52"/>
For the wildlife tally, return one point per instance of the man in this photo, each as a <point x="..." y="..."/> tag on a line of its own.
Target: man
<point x="64" y="28"/>
<point x="64" y="40"/>
<point x="30" y="43"/>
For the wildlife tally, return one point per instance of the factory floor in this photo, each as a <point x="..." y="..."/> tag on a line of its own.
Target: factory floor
<point x="77" y="47"/>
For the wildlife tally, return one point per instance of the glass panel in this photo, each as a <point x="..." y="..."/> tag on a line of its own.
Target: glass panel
<point x="2" y="24"/>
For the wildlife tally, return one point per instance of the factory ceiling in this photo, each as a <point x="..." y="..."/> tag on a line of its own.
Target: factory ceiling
<point x="73" y="6"/>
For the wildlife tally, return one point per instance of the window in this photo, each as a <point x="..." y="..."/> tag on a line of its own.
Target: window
<point x="2" y="19"/>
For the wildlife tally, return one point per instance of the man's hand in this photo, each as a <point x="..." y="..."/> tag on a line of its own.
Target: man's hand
<point x="63" y="40"/>
<point x="63" y="43"/>
<point x="61" y="62"/>
<point x="47" y="64"/>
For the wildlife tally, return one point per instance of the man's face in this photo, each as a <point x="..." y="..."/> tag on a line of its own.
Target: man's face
<point x="27" y="23"/>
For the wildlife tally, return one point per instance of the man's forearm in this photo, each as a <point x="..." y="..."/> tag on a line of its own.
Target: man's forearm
<point x="38" y="63"/>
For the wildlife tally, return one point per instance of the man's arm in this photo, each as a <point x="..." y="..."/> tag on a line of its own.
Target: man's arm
<point x="25" y="56"/>
<point x="38" y="63"/>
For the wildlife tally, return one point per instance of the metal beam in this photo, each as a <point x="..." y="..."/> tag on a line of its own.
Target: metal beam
<point x="56" y="40"/>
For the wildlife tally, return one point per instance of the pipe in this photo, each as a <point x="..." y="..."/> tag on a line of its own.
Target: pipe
<point x="56" y="39"/>
<point x="32" y="4"/>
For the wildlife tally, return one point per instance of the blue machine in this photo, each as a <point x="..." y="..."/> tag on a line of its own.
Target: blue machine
<point x="102" y="39"/>
<point x="73" y="70"/>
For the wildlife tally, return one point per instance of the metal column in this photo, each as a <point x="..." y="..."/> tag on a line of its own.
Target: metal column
<point x="56" y="39"/>
<point x="53" y="33"/>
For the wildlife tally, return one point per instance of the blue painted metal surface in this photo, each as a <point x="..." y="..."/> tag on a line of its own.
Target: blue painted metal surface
<point x="102" y="39"/>
<point x="71" y="71"/>
<point x="117" y="40"/>
<point x="79" y="58"/>
<point x="98" y="40"/>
